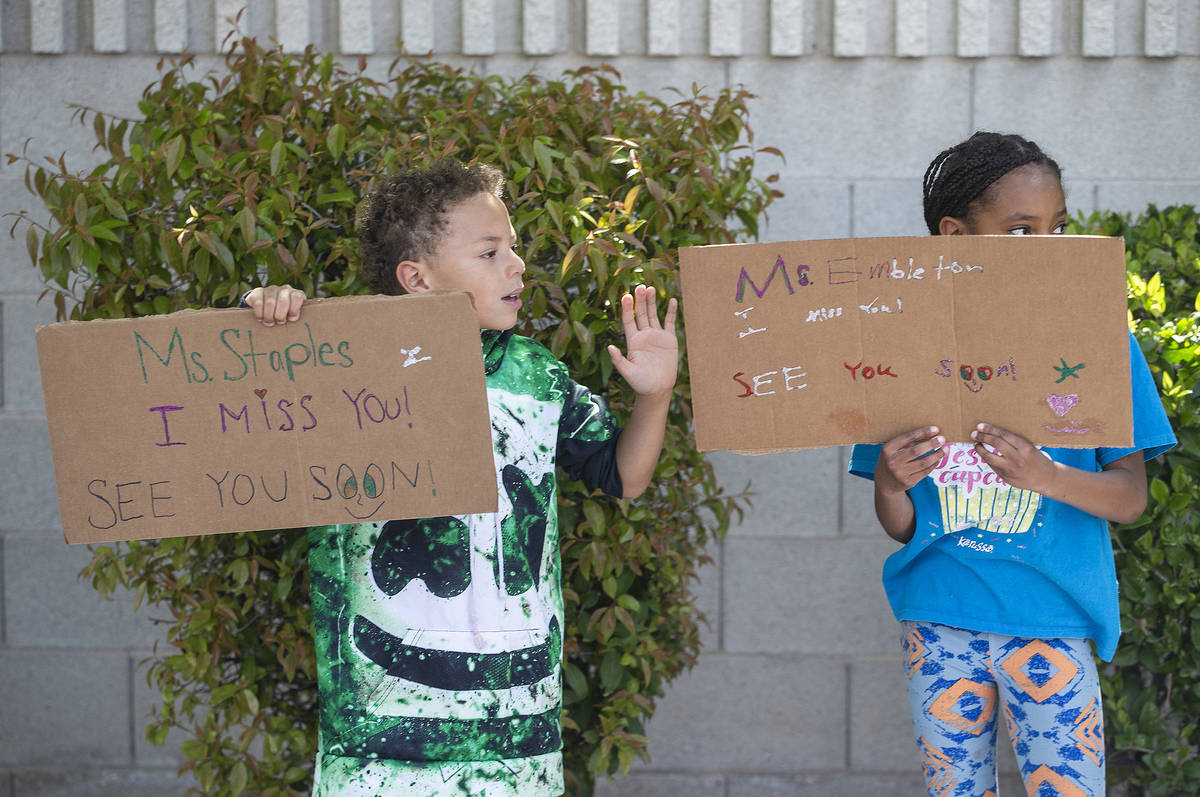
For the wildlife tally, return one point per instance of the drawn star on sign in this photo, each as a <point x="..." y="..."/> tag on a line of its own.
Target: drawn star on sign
<point x="1066" y="370"/>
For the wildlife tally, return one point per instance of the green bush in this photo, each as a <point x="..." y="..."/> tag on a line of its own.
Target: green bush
<point x="250" y="176"/>
<point x="1152" y="687"/>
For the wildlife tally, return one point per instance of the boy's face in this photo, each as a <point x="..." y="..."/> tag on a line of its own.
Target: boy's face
<point x="475" y="255"/>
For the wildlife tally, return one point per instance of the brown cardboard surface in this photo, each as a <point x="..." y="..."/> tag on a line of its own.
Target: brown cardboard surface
<point x="207" y="421"/>
<point x="818" y="343"/>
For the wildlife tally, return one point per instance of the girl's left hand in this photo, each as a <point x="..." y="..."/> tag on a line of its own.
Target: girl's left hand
<point x="1015" y="459"/>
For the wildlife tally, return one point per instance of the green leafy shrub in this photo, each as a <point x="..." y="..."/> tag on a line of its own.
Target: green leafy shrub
<point x="1152" y="687"/>
<point x="251" y="176"/>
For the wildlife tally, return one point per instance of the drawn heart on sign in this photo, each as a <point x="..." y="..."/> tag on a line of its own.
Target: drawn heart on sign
<point x="1062" y="404"/>
<point x="262" y="391"/>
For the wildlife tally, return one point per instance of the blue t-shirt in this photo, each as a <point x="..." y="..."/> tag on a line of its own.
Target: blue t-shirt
<point x="986" y="556"/>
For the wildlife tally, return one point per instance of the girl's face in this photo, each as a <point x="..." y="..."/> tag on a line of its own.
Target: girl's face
<point x="1028" y="200"/>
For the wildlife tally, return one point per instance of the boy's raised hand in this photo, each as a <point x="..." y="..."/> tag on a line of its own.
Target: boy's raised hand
<point x="276" y="304"/>
<point x="653" y="359"/>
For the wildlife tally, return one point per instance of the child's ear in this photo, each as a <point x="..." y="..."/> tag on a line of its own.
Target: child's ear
<point x="952" y="226"/>
<point x="411" y="276"/>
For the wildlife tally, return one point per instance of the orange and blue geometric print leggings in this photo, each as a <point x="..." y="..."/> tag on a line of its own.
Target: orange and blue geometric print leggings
<point x="1047" y="690"/>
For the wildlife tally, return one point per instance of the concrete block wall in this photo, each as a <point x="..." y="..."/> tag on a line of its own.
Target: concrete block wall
<point x="799" y="691"/>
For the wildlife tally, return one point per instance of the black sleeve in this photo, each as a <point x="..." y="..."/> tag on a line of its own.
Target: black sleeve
<point x="595" y="462"/>
<point x="587" y="440"/>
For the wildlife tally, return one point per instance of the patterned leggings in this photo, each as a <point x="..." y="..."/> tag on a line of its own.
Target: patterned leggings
<point x="1048" y="690"/>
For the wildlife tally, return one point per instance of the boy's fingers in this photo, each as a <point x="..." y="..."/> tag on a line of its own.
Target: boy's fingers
<point x="639" y="310"/>
<point x="652" y="308"/>
<point x="265" y="310"/>
<point x="643" y="305"/>
<point x="276" y="304"/>
<point x="287" y="304"/>
<point x="295" y="300"/>
<point x="669" y="321"/>
<point x="618" y="359"/>
<point x="283" y="308"/>
<point x="627" y="320"/>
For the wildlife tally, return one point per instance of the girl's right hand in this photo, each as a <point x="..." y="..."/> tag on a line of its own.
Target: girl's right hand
<point x="907" y="458"/>
<point x="276" y="304"/>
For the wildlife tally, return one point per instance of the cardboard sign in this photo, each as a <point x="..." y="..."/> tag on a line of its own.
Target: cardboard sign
<point x="820" y="343"/>
<point x="206" y="421"/>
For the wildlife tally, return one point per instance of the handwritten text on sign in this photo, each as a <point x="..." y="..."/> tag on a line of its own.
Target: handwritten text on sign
<point x="203" y="422"/>
<point x="819" y="343"/>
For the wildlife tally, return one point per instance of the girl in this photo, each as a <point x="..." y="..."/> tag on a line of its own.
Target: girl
<point x="996" y="608"/>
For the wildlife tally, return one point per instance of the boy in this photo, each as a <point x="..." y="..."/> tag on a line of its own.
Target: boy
<point x="439" y="640"/>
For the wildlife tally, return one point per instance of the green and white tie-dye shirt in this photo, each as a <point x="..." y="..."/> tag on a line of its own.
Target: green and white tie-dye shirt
<point x="439" y="640"/>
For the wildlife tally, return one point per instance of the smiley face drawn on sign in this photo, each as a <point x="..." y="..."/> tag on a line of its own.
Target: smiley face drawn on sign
<point x="974" y="377"/>
<point x="364" y="498"/>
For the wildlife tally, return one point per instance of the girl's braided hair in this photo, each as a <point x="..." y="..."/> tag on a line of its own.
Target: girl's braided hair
<point x="404" y="218"/>
<point x="960" y="176"/>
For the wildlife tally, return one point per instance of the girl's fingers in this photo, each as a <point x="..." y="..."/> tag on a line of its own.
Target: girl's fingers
<point x="1002" y="442"/>
<point x="909" y="438"/>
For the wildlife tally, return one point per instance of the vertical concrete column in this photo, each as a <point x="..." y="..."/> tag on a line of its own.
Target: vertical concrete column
<point x="416" y="25"/>
<point x="912" y="28"/>
<point x="170" y="26"/>
<point x="478" y="28"/>
<point x="850" y="28"/>
<point x="3" y="402"/>
<point x="293" y="25"/>
<point x="602" y="27"/>
<point x="973" y="28"/>
<point x="226" y="20"/>
<point x="1035" y="25"/>
<point x="1162" y="28"/>
<point x="46" y="33"/>
<point x="724" y="27"/>
<point x="108" y="26"/>
<point x="662" y="27"/>
<point x="539" y="19"/>
<point x="356" y="27"/>
<point x="1099" y="28"/>
<point x="787" y="21"/>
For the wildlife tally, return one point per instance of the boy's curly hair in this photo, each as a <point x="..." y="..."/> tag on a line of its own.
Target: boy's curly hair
<point x="404" y="217"/>
<point x="959" y="177"/>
